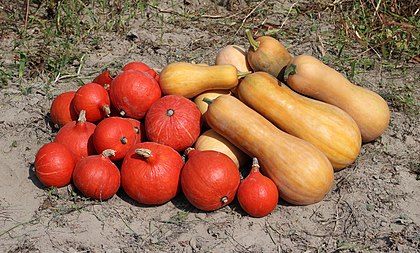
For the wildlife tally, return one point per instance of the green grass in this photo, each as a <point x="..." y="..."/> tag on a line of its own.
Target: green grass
<point x="58" y="34"/>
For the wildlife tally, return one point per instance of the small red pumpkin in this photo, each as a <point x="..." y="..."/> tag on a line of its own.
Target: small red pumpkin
<point x="150" y="173"/>
<point x="173" y="120"/>
<point x="54" y="165"/>
<point x="76" y="136"/>
<point x="62" y="111"/>
<point x="104" y="79"/>
<point x="96" y="176"/>
<point x="114" y="133"/>
<point x="257" y="194"/>
<point x="139" y="66"/>
<point x="94" y="99"/>
<point x="133" y="92"/>
<point x="209" y="179"/>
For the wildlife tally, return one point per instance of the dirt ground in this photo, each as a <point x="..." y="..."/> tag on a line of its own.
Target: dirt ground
<point x="374" y="205"/>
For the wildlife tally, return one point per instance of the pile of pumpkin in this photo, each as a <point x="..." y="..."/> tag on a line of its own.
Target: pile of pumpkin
<point x="191" y="127"/>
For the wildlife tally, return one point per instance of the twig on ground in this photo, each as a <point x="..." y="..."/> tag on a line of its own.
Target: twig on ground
<point x="249" y="14"/>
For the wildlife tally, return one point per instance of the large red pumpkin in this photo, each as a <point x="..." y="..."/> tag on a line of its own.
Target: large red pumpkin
<point x="62" y="111"/>
<point x="133" y="92"/>
<point x="114" y="133"/>
<point x="54" y="165"/>
<point x="209" y="179"/>
<point x="94" y="99"/>
<point x="150" y="173"/>
<point x="76" y="136"/>
<point x="139" y="66"/>
<point x="173" y="120"/>
<point x="96" y="176"/>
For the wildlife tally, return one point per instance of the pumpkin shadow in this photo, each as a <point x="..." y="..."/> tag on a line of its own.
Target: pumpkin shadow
<point x="181" y="203"/>
<point x="32" y="176"/>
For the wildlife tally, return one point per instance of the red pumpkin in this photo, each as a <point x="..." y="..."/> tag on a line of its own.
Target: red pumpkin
<point x="76" y="136"/>
<point x="209" y="179"/>
<point x="137" y="128"/>
<point x="133" y="92"/>
<point x="62" y="111"/>
<point x="94" y="99"/>
<point x="54" y="165"/>
<point x="139" y="66"/>
<point x="257" y="194"/>
<point x="104" y="79"/>
<point x="173" y="120"/>
<point x="96" y="176"/>
<point x="150" y="173"/>
<point x="114" y="133"/>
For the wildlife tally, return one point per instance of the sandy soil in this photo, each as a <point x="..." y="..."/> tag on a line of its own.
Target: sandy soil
<point x="374" y="205"/>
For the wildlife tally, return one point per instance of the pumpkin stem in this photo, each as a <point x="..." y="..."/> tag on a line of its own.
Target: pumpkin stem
<point x="170" y="112"/>
<point x="254" y="44"/>
<point x="255" y="165"/>
<point x="208" y="100"/>
<point x="124" y="140"/>
<point x="224" y="200"/>
<point x="290" y="70"/>
<point x="107" y="110"/>
<point x="243" y="74"/>
<point x="146" y="153"/>
<point x="82" y="116"/>
<point x="188" y="150"/>
<point x="108" y="152"/>
<point x="107" y="86"/>
<point x="137" y="130"/>
<point x="122" y="113"/>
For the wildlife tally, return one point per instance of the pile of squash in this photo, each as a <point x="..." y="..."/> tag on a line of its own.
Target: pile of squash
<point x="299" y="119"/>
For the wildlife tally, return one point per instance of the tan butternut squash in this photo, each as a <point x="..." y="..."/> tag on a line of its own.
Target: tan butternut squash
<point x="267" y="54"/>
<point x="211" y="94"/>
<point x="234" y="55"/>
<point x="311" y="77"/>
<point x="210" y="140"/>
<point x="327" y="127"/>
<point x="189" y="80"/>
<point x="301" y="172"/>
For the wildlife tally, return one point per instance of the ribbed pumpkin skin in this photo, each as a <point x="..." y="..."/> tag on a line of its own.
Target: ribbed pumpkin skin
<point x="61" y="110"/>
<point x="97" y="177"/>
<point x="94" y="99"/>
<point x="189" y="80"/>
<point x="153" y="180"/>
<point x="327" y="127"/>
<point x="209" y="179"/>
<point x="301" y="172"/>
<point x="133" y="92"/>
<point x="54" y="165"/>
<point x="257" y="194"/>
<point x="76" y="136"/>
<point x="317" y="80"/>
<point x="114" y="133"/>
<point x="173" y="120"/>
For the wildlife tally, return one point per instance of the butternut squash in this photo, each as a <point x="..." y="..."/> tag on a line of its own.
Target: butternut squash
<point x="189" y="80"/>
<point x="234" y="55"/>
<point x="267" y="54"/>
<point x="327" y="127"/>
<point x="211" y="94"/>
<point x="210" y="140"/>
<point x="202" y="106"/>
<point x="311" y="77"/>
<point x="301" y="172"/>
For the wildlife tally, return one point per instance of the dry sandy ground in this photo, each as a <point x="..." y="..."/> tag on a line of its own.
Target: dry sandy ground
<point x="374" y="205"/>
